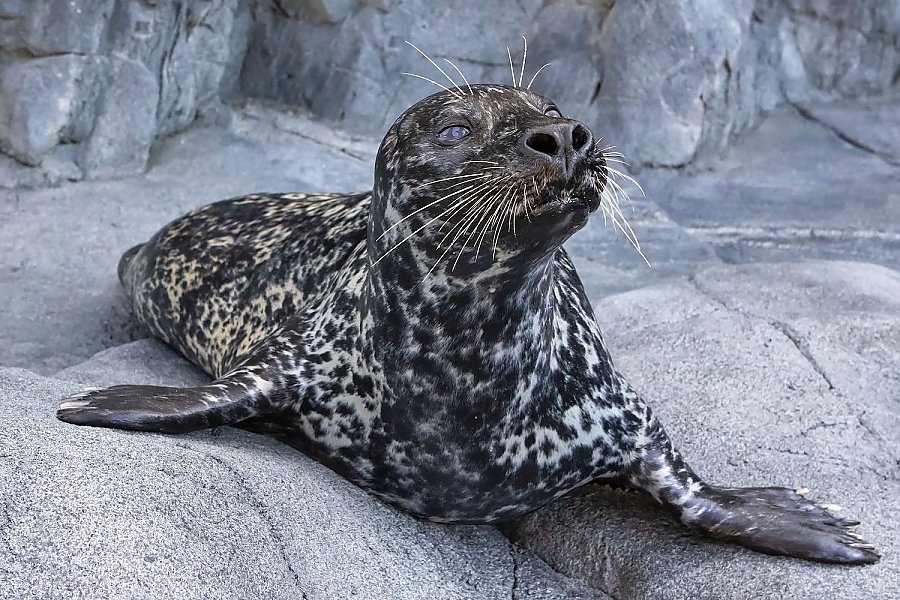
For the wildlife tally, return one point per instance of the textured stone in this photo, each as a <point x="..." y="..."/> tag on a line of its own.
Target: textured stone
<point x="124" y="126"/>
<point x="40" y="99"/>
<point x="671" y="83"/>
<point x="849" y="48"/>
<point x="794" y="188"/>
<point x="360" y="86"/>
<point x="112" y="76"/>
<point x="64" y="26"/>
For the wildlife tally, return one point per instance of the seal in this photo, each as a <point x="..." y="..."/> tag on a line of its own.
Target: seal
<point x="430" y="340"/>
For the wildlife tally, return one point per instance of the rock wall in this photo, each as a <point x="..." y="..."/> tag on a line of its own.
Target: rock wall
<point x="87" y="86"/>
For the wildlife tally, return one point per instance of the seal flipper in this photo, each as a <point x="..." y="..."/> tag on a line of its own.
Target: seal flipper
<point x="771" y="520"/>
<point x="160" y="409"/>
<point x="244" y="392"/>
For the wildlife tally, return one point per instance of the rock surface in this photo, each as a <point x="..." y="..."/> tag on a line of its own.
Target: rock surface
<point x="669" y="82"/>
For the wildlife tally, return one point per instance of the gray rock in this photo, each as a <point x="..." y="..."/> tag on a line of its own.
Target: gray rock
<point x="777" y="374"/>
<point x="143" y="362"/>
<point x="114" y="75"/>
<point x="96" y="513"/>
<point x="360" y="87"/>
<point x="64" y="27"/>
<point x="867" y="125"/>
<point x="40" y="98"/>
<point x="793" y="188"/>
<point x="849" y="48"/>
<point x="120" y="141"/>
<point x="670" y="83"/>
<point x="56" y="168"/>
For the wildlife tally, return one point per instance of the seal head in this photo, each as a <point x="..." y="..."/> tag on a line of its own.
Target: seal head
<point x="494" y="171"/>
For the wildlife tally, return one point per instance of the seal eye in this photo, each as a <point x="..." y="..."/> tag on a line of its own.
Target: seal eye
<point x="553" y="112"/>
<point x="453" y="133"/>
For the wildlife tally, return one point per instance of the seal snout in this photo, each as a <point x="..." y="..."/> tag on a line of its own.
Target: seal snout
<point x="563" y="144"/>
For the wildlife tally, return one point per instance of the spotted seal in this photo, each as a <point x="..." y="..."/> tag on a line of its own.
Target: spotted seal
<point x="430" y="340"/>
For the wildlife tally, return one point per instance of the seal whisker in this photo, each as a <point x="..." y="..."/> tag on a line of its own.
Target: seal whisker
<point x="489" y="224"/>
<point x="469" y="184"/>
<point x="401" y="242"/>
<point x="511" y="69"/>
<point x="404" y="240"/>
<point x="466" y="202"/>
<point x="463" y="226"/>
<point x="450" y="245"/>
<point x="524" y="58"/>
<point x="528" y="208"/>
<point x="626" y="177"/>
<point x="436" y="66"/>
<point x="618" y="189"/>
<point x="443" y="87"/>
<point x="495" y="224"/>
<point x="460" y="74"/>
<point x="510" y="190"/>
<point x="533" y="77"/>
<point x="480" y="211"/>
<point x="610" y="205"/>
<point x="463" y="176"/>
<point x="483" y="217"/>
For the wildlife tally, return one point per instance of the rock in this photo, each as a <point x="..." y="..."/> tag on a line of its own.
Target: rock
<point x="848" y="48"/>
<point x="145" y="362"/>
<point x="776" y="374"/>
<point x="112" y="76"/>
<point x="98" y="513"/>
<point x="65" y="27"/>
<point x="782" y="191"/>
<point x="710" y="71"/>
<point x="867" y="125"/>
<point x="120" y="141"/>
<point x="40" y="101"/>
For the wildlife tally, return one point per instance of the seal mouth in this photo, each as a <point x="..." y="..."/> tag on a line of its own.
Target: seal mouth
<point x="559" y="198"/>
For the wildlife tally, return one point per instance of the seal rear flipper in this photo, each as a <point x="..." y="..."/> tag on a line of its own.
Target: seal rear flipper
<point x="772" y="520"/>
<point x="777" y="521"/>
<point x="160" y="409"/>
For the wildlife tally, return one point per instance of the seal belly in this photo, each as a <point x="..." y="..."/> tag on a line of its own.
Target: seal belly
<point x="216" y="281"/>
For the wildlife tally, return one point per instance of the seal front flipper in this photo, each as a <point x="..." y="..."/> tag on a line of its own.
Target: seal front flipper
<point x="242" y="393"/>
<point x="161" y="409"/>
<point x="771" y="520"/>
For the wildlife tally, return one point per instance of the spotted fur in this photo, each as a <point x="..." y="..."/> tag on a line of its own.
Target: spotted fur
<point x="464" y="379"/>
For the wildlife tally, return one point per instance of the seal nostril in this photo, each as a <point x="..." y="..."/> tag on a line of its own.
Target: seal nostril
<point x="581" y="137"/>
<point x="543" y="143"/>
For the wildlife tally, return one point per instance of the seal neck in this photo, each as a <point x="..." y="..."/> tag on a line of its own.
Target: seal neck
<point x="462" y="339"/>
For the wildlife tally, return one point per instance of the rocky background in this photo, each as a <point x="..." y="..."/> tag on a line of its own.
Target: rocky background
<point x="766" y="134"/>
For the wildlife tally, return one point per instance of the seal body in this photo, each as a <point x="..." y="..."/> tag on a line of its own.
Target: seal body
<point x="430" y="340"/>
<point x="517" y="432"/>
